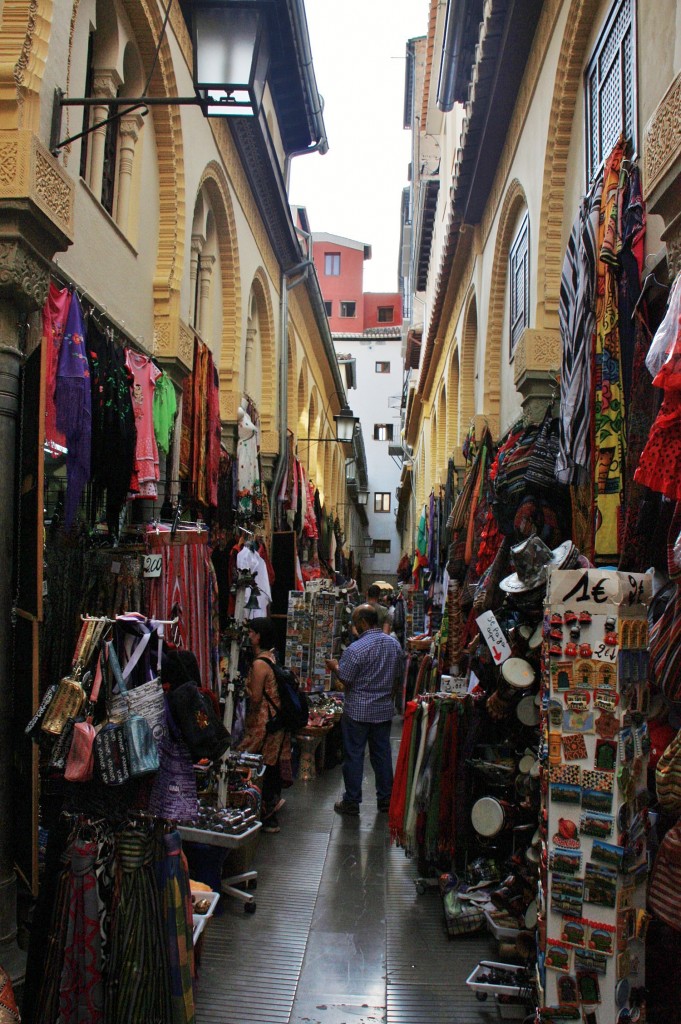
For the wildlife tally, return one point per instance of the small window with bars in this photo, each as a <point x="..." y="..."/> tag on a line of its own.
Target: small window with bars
<point x="382" y="367"/>
<point x="383" y="431"/>
<point x="519" y="277"/>
<point x="610" y="88"/>
<point x="381" y="547"/>
<point x="381" y="501"/>
<point x="386" y="314"/>
<point x="348" y="309"/>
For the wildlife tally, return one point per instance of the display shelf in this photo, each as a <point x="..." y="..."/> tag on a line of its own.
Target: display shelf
<point x="199" y="920"/>
<point x="228" y="840"/>
<point x="487" y="987"/>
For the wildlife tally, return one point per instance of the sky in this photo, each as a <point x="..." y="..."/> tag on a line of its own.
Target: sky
<point x="355" y="190"/>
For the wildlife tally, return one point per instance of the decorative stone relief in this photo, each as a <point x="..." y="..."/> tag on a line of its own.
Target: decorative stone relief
<point x="162" y="336"/>
<point x="537" y="350"/>
<point x="662" y="145"/>
<point x="52" y="190"/>
<point x="29" y="171"/>
<point x="24" y="277"/>
<point x="185" y="348"/>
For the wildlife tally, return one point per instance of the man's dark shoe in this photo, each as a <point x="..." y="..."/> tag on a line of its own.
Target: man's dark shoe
<point x="345" y="807"/>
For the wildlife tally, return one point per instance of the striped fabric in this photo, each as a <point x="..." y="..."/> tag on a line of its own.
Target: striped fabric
<point x="664" y="897"/>
<point x="668" y="778"/>
<point x="172" y="878"/>
<point x="137" y="987"/>
<point x="81" y="992"/>
<point x="577" y="326"/>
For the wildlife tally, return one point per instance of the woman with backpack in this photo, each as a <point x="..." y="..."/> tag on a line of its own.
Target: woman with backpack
<point x="263" y="704"/>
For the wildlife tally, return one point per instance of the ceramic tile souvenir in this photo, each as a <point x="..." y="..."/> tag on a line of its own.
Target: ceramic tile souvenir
<point x="574" y="747"/>
<point x="574" y="932"/>
<point x="625" y="898"/>
<point x="605" y="758"/>
<point x="608" y="854"/>
<point x="623" y="964"/>
<point x="569" y="774"/>
<point x="607" y="725"/>
<point x="627" y="745"/>
<point x="605" y="676"/>
<point x="606" y="700"/>
<point x="558" y="956"/>
<point x="578" y="721"/>
<point x="583" y="674"/>
<point x="568" y="862"/>
<point x="554" y="748"/>
<point x="567" y="836"/>
<point x="596" y="800"/>
<point x="587" y="959"/>
<point x="561" y="676"/>
<point x="567" y="990"/>
<point x="577" y="700"/>
<point x="601" y="781"/>
<point x="592" y="823"/>
<point x="600" y="886"/>
<point x="555" y="710"/>
<point x="601" y="938"/>
<point x="589" y="988"/>
<point x="563" y="793"/>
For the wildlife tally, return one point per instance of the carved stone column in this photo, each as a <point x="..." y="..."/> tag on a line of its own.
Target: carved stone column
<point x="105" y="87"/>
<point x="248" y="361"/>
<point x="128" y="133"/>
<point x="662" y="169"/>
<point x="198" y="242"/>
<point x="205" y="273"/>
<point x="536" y="365"/>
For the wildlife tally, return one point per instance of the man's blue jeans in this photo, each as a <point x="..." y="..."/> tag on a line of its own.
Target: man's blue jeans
<point x="356" y="735"/>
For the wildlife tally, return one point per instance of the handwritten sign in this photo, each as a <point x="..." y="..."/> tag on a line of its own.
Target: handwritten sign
<point x="152" y="566"/>
<point x="593" y="589"/>
<point x="494" y="637"/>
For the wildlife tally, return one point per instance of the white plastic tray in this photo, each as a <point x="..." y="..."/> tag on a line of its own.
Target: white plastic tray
<point x="228" y="839"/>
<point x="500" y="932"/>
<point x="199" y="920"/>
<point x="485" y="986"/>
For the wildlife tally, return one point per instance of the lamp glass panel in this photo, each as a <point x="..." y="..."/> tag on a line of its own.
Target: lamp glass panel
<point x="225" y="43"/>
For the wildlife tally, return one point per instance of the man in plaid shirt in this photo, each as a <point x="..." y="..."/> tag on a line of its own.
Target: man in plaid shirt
<point x="368" y="668"/>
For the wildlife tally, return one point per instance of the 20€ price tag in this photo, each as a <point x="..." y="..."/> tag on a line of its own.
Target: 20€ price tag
<point x="152" y="566"/>
<point x="494" y="637"/>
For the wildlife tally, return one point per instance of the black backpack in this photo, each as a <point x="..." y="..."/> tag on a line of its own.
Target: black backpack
<point x="293" y="711"/>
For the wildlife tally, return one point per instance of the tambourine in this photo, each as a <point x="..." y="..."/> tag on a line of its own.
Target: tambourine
<point x="490" y="816"/>
<point x="535" y="641"/>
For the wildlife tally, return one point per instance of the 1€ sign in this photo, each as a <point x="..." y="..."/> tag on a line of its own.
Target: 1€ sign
<point x="494" y="637"/>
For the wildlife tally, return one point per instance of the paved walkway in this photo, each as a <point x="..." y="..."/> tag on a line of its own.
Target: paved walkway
<point x="340" y="935"/>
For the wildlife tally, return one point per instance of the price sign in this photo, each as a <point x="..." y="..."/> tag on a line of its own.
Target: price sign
<point x="494" y="637"/>
<point x="152" y="566"/>
<point x="604" y="652"/>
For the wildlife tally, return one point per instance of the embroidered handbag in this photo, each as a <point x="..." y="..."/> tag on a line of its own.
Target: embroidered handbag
<point x="138" y="711"/>
<point x="111" y="755"/>
<point x="173" y="794"/>
<point x="542" y="463"/>
<point x="62" y="747"/>
<point x="145" y="700"/>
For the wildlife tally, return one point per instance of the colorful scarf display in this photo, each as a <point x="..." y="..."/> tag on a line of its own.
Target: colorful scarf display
<point x="73" y="408"/>
<point x="609" y="422"/>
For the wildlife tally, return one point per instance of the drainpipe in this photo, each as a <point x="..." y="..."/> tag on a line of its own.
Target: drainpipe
<point x="301" y="270"/>
<point x="301" y="39"/>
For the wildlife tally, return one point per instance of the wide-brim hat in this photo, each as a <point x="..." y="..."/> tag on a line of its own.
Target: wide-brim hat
<point x="533" y="560"/>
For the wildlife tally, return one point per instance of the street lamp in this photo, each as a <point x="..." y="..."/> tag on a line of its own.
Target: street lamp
<point x="362" y="497"/>
<point x="231" y="56"/>
<point x="346" y="423"/>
